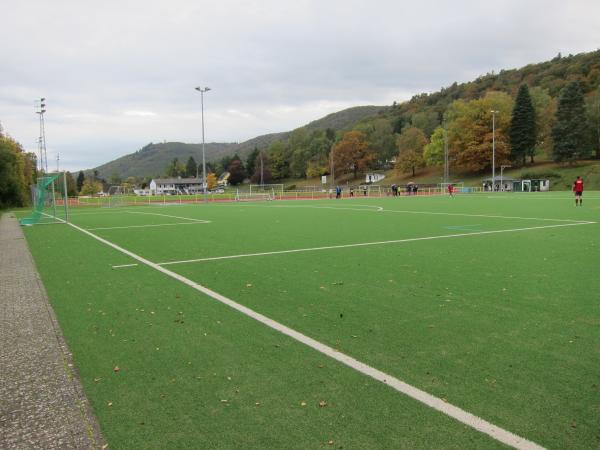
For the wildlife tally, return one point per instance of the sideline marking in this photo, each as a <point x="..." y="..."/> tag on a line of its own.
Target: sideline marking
<point x="436" y="403"/>
<point x="366" y="244"/>
<point x="146" y="226"/>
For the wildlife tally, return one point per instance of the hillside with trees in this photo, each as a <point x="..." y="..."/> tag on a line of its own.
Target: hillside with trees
<point x="152" y="159"/>
<point x="548" y="111"/>
<point x="542" y="112"/>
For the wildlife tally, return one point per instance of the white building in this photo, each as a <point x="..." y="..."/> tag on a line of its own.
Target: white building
<point x="173" y="186"/>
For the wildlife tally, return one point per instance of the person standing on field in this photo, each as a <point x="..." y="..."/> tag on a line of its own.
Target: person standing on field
<point x="578" y="189"/>
<point x="451" y="190"/>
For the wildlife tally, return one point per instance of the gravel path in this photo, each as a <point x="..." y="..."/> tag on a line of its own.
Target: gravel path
<point x="42" y="404"/>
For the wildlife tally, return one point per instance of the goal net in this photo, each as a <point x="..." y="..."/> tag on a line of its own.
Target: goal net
<point x="459" y="186"/>
<point x="368" y="190"/>
<point x="49" y="199"/>
<point x="118" y="196"/>
<point x="253" y="196"/>
<point x="274" y="190"/>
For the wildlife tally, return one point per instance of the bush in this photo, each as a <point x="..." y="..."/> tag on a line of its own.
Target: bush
<point x="290" y="187"/>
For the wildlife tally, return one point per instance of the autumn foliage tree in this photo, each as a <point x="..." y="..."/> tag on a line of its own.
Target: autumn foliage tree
<point x="470" y="132"/>
<point x="17" y="172"/>
<point x="352" y="153"/>
<point x="410" y="145"/>
<point x="211" y="180"/>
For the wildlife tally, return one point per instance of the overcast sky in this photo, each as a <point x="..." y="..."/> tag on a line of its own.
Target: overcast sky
<point x="120" y="74"/>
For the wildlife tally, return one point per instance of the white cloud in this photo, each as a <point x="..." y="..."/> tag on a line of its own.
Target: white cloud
<point x="120" y="74"/>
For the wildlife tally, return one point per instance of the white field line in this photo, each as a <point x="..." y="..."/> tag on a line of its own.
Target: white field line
<point x="124" y="265"/>
<point x="168" y="215"/>
<point x="435" y="213"/>
<point x="366" y="244"/>
<point x="147" y="226"/>
<point x="436" y="403"/>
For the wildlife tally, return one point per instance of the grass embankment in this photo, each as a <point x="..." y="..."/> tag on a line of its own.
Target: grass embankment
<point x="561" y="176"/>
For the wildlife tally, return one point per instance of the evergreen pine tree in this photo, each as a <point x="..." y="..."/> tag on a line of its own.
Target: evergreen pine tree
<point x="522" y="133"/>
<point x="80" y="180"/>
<point x="190" y="167"/>
<point x="569" y="132"/>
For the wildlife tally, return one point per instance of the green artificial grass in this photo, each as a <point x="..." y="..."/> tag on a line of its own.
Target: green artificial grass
<point x="505" y="326"/>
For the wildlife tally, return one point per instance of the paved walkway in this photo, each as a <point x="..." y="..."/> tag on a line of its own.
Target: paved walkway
<point x="42" y="404"/>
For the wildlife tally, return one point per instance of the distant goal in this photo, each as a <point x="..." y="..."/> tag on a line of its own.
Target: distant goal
<point x="275" y="191"/>
<point x="459" y="186"/>
<point x="118" y="196"/>
<point x="253" y="196"/>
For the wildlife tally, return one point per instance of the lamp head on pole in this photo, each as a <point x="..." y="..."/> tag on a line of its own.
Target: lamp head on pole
<point x="200" y="89"/>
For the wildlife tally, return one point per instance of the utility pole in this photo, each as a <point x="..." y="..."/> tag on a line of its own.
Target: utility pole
<point x="446" y="162"/>
<point x="261" y="170"/>
<point x="202" y="91"/>
<point x="493" y="149"/>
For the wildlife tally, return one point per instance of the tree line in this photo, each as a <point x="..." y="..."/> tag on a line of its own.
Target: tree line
<point x="564" y="129"/>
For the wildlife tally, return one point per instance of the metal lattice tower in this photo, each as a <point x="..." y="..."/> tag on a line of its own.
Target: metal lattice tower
<point x="40" y="110"/>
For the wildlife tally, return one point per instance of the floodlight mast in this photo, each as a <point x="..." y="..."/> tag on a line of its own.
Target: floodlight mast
<point x="493" y="149"/>
<point x="41" y="109"/>
<point x="204" y="184"/>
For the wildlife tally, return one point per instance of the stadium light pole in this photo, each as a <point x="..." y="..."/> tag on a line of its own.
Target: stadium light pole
<point x="204" y="185"/>
<point x="493" y="148"/>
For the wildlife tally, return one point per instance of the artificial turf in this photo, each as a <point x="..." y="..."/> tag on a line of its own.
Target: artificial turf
<point x="505" y="326"/>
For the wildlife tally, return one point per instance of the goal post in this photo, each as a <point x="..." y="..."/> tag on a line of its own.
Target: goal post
<point x="50" y="200"/>
<point x="118" y="195"/>
<point x="253" y="196"/>
<point x="274" y="190"/>
<point x="458" y="186"/>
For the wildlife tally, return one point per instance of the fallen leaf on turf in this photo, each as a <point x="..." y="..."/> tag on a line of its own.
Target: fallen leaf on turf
<point x="330" y="442"/>
<point x="96" y="380"/>
<point x="573" y="424"/>
<point x="105" y="446"/>
<point x="116" y="369"/>
<point x="322" y="403"/>
<point x="223" y="401"/>
<point x="257" y="403"/>
<point x="109" y="403"/>
<point x="248" y="285"/>
<point x="302" y="403"/>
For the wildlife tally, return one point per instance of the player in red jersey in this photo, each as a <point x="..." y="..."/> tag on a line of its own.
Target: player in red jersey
<point x="451" y="190"/>
<point x="578" y="189"/>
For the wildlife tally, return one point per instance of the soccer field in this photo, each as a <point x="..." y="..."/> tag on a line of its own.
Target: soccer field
<point x="367" y="323"/>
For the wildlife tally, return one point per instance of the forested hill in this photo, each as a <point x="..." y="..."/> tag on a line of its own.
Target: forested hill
<point x="153" y="159"/>
<point x="412" y="134"/>
<point x="549" y="76"/>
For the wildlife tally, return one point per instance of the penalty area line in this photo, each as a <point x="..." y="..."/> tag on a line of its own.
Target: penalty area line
<point x="367" y="244"/>
<point x="147" y="226"/>
<point x="427" y="399"/>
